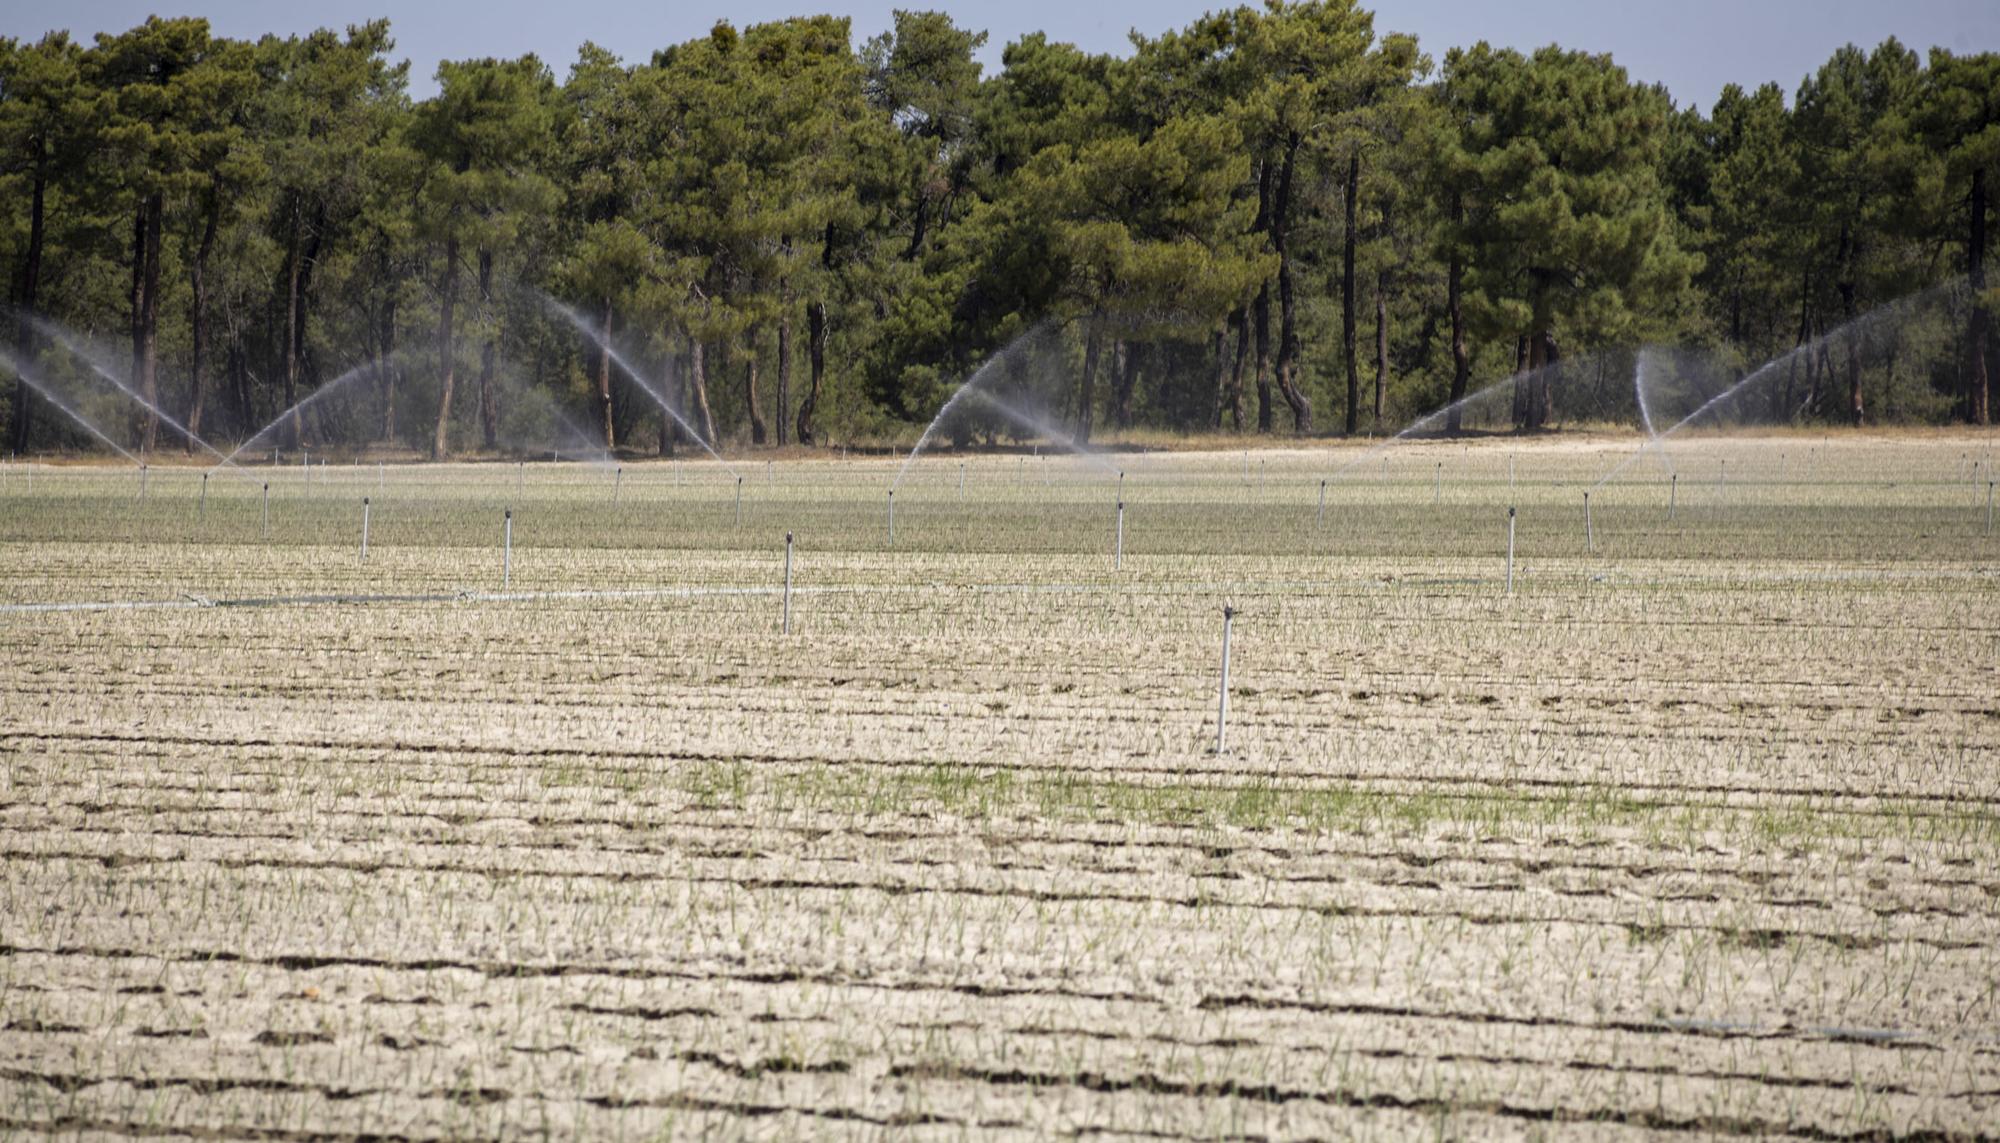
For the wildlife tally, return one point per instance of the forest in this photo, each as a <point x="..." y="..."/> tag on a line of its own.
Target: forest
<point x="1278" y="220"/>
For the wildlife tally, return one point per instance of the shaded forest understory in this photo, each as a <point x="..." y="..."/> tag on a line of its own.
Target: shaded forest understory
<point x="1279" y="220"/>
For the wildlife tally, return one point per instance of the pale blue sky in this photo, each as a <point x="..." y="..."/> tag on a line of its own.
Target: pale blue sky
<point x="1694" y="46"/>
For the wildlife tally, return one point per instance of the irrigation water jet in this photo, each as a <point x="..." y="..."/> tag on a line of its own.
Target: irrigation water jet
<point x="298" y="408"/>
<point x="1856" y="327"/>
<point x="618" y="359"/>
<point x="1443" y="418"/>
<point x="965" y="389"/>
<point x="1030" y="421"/>
<point x="64" y="407"/>
<point x="70" y="344"/>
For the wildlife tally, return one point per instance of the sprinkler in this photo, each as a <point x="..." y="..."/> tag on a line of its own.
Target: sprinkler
<point x="1319" y="520"/>
<point x="201" y="511"/>
<point x="507" y="552"/>
<point x="1589" y="536"/>
<point x="892" y="517"/>
<point x="785" y="620"/>
<point x="267" y="510"/>
<point x="739" y="500"/>
<point x="617" y="483"/>
<point x="1118" y="556"/>
<point x="1222" y="703"/>
<point x="364" y="529"/>
<point x="1510" y="551"/>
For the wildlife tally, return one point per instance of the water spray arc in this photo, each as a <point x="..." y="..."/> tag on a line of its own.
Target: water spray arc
<point x="618" y="359"/>
<point x="64" y="407"/>
<point x="311" y="398"/>
<point x="1804" y="351"/>
<point x="61" y="337"/>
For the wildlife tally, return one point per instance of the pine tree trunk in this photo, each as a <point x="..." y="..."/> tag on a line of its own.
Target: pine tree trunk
<point x="1242" y="320"/>
<point x="1260" y="309"/>
<point x="198" y="317"/>
<point x="1288" y="326"/>
<point x="603" y="379"/>
<point x="489" y="400"/>
<point x="290" y="354"/>
<point x="1260" y="312"/>
<point x="237" y="367"/>
<point x="1979" y="381"/>
<point x="1854" y="402"/>
<point x="146" y="316"/>
<point x="1350" y="197"/>
<point x="816" y="357"/>
<point x="698" y="390"/>
<point x="1461" y="358"/>
<point x="447" y="357"/>
<point x="388" y="368"/>
<point x="1219" y="347"/>
<point x="1087" y="397"/>
<point x="138" y="301"/>
<point x="1546" y="357"/>
<point x="1381" y="341"/>
<point x="1128" y="382"/>
<point x="1522" y="382"/>
<point x="300" y="285"/>
<point x="671" y="433"/>
<point x="1846" y="289"/>
<point x="783" y="416"/>
<point x="757" y="428"/>
<point x="31" y="283"/>
<point x="1800" y="354"/>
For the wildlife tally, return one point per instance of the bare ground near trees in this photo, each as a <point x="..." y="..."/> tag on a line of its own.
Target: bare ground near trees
<point x="1697" y="833"/>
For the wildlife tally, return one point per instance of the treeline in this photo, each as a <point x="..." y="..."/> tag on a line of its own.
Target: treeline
<point x="1273" y="220"/>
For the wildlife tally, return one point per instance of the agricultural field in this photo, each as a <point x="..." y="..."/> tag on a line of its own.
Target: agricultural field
<point x="1694" y="832"/>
